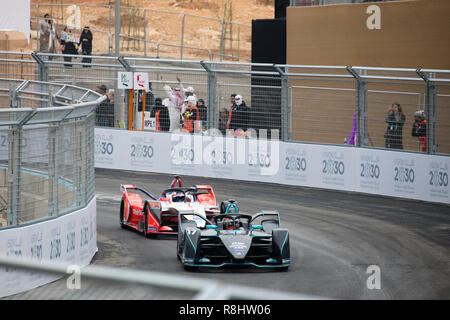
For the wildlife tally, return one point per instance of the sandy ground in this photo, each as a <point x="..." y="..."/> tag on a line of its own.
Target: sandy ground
<point x="163" y="23"/>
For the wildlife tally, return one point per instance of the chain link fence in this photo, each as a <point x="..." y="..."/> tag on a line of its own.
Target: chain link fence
<point x="147" y="32"/>
<point x="318" y="104"/>
<point x="46" y="149"/>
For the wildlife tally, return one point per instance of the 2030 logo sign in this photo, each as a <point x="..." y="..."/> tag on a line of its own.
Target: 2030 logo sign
<point x="438" y="175"/>
<point x="103" y="145"/>
<point x="370" y="169"/>
<point x="404" y="174"/>
<point x="182" y="155"/>
<point x="295" y="163"/>
<point x="333" y="166"/>
<point x="221" y="157"/>
<point x="258" y="159"/>
<point x="141" y="151"/>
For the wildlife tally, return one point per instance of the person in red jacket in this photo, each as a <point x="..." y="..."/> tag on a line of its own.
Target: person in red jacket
<point x="191" y="117"/>
<point x="419" y="129"/>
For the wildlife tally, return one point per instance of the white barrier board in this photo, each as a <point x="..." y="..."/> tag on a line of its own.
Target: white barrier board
<point x="383" y="172"/>
<point x="70" y="239"/>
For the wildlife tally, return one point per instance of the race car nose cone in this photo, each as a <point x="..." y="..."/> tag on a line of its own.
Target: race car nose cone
<point x="237" y="245"/>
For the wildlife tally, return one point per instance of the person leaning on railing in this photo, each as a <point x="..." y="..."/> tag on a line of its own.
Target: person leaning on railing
<point x="68" y="45"/>
<point x="395" y="119"/>
<point x="86" y="45"/>
<point x="104" y="114"/>
<point x="161" y="114"/>
<point x="238" y="115"/>
<point x="419" y="129"/>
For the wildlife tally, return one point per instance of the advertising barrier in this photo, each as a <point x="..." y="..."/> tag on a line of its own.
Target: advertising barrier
<point x="71" y="238"/>
<point x="382" y="172"/>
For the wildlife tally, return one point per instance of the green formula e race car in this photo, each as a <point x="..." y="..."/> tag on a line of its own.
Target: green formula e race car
<point x="234" y="239"/>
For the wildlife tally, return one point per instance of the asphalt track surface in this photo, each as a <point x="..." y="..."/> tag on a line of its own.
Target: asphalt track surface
<point x="334" y="238"/>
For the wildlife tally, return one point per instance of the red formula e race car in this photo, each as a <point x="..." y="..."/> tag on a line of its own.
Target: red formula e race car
<point x="151" y="215"/>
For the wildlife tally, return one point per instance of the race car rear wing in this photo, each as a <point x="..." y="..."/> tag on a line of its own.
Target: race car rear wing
<point x="269" y="220"/>
<point x="125" y="187"/>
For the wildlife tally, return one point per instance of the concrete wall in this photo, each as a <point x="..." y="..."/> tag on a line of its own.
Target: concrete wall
<point x="413" y="34"/>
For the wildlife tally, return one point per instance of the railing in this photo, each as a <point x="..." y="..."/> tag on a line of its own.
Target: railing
<point x="139" y="36"/>
<point x="100" y="282"/>
<point x="46" y="149"/>
<point x="296" y="3"/>
<point x="317" y="104"/>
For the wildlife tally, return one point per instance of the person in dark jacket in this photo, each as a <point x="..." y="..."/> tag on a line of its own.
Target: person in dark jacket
<point x="68" y="45"/>
<point x="238" y="115"/>
<point x="202" y="110"/>
<point x="104" y="113"/>
<point x="86" y="45"/>
<point x="223" y="117"/>
<point x="419" y="129"/>
<point x="395" y="119"/>
<point x="161" y="113"/>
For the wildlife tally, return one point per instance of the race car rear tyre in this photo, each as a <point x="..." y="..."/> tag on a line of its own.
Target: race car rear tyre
<point x="145" y="228"/>
<point x="121" y="214"/>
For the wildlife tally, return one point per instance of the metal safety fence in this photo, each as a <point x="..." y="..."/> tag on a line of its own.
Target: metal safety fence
<point x="294" y="3"/>
<point x="46" y="149"/>
<point x="360" y="106"/>
<point x="146" y="31"/>
<point x="96" y="282"/>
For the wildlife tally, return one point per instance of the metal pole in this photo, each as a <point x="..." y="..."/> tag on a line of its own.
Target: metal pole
<point x="38" y="31"/>
<point x="14" y="164"/>
<point x="109" y="34"/>
<point x="286" y="129"/>
<point x="213" y="106"/>
<point x="53" y="146"/>
<point x="182" y="36"/>
<point x="117" y="27"/>
<point x="361" y="109"/>
<point x="430" y="111"/>
<point x="145" y="33"/>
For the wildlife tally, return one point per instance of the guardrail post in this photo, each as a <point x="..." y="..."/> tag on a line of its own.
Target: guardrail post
<point x="109" y="32"/>
<point x="182" y="36"/>
<point x="212" y="103"/>
<point x="362" y="138"/>
<point x="145" y="32"/>
<point x="42" y="67"/>
<point x="53" y="151"/>
<point x="14" y="165"/>
<point x="286" y="108"/>
<point x="430" y="111"/>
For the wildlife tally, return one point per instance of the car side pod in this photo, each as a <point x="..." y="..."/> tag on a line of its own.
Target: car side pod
<point x="192" y="239"/>
<point x="280" y="245"/>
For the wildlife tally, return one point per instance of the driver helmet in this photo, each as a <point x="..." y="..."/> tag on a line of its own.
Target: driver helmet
<point x="420" y="114"/>
<point x="228" y="224"/>
<point x="176" y="196"/>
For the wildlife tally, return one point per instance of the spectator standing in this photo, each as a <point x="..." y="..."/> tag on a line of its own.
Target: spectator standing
<point x="161" y="114"/>
<point x="174" y="104"/>
<point x="104" y="114"/>
<point x="189" y="91"/>
<point x="394" y="131"/>
<point x="86" y="45"/>
<point x="68" y="45"/>
<point x="191" y="116"/>
<point x="44" y="33"/>
<point x="419" y="129"/>
<point x="223" y="119"/>
<point x="238" y="115"/>
<point x="203" y="113"/>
